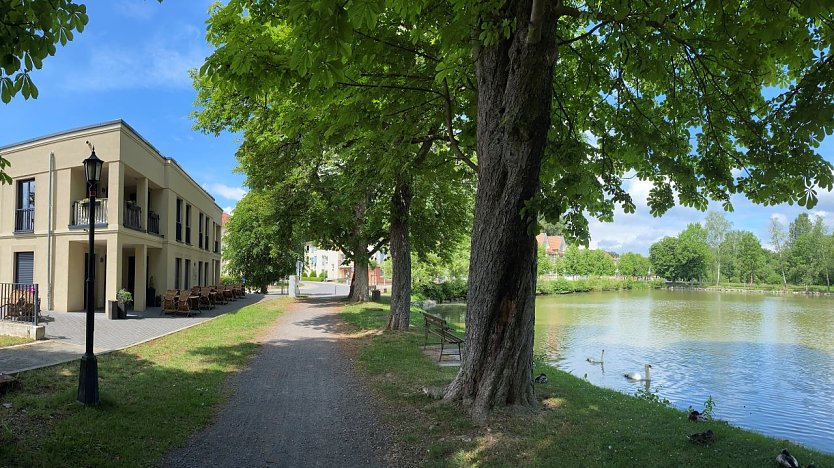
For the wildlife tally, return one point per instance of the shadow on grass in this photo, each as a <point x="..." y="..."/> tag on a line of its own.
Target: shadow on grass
<point x="576" y="423"/>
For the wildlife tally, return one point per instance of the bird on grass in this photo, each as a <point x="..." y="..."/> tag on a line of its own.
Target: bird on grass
<point x="702" y="438"/>
<point x="636" y="375"/>
<point x="601" y="358"/>
<point x="697" y="416"/>
<point x="787" y="460"/>
<point x="540" y="379"/>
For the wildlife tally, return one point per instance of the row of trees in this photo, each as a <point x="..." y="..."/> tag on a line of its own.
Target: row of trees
<point x="350" y="111"/>
<point x="802" y="253"/>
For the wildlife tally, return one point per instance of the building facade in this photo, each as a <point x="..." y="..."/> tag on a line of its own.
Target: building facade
<point x="156" y="228"/>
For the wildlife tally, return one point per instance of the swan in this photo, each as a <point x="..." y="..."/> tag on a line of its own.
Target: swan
<point x="637" y="376"/>
<point x="601" y="358"/>
<point x="787" y="460"/>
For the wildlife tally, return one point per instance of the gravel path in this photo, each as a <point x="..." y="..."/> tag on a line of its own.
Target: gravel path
<point x="298" y="404"/>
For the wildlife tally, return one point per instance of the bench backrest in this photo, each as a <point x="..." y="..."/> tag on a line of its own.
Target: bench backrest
<point x="433" y="320"/>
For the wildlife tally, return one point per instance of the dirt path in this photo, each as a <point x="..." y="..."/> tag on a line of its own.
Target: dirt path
<point x="298" y="404"/>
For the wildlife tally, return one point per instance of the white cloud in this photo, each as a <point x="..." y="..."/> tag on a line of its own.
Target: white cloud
<point x="226" y="191"/>
<point x="162" y="62"/>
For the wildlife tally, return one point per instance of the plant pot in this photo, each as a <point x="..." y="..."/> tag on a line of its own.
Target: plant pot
<point x="112" y="310"/>
<point x="122" y="306"/>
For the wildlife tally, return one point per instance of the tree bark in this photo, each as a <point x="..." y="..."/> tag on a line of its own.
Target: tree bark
<point x="400" y="243"/>
<point x="359" y="282"/>
<point x="514" y="103"/>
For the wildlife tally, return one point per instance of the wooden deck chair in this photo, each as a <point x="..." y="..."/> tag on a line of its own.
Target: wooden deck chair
<point x="182" y="304"/>
<point x="169" y="301"/>
<point x="205" y="298"/>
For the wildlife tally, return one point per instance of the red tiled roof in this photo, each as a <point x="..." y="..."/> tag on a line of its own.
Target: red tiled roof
<point x="224" y="218"/>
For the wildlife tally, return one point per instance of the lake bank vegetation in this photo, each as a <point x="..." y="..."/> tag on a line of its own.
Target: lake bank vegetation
<point x="572" y="419"/>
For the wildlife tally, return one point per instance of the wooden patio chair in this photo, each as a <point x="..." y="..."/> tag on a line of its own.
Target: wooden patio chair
<point x="183" y="303"/>
<point x="205" y="298"/>
<point x="169" y="301"/>
<point x="218" y="296"/>
<point x="228" y="293"/>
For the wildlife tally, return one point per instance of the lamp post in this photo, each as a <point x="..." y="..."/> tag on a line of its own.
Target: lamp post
<point x="88" y="378"/>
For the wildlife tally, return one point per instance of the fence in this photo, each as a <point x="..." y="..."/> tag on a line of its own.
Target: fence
<point x="20" y="302"/>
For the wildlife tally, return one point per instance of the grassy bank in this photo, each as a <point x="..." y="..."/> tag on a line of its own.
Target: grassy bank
<point x="12" y="340"/>
<point x="566" y="286"/>
<point x="579" y="424"/>
<point x="153" y="396"/>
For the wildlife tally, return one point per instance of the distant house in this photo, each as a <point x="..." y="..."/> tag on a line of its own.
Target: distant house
<point x="331" y="262"/>
<point x="554" y="246"/>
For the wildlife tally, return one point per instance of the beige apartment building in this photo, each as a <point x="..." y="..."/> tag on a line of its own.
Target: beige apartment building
<point x="156" y="228"/>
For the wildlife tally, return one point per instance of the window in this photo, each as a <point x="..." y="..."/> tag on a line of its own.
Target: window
<point x="179" y="220"/>
<point x="24" y="267"/>
<point x="206" y="233"/>
<point x="177" y="272"/>
<point x="24" y="220"/>
<point x="187" y="224"/>
<point x="199" y="273"/>
<point x="187" y="280"/>
<point x="205" y="273"/>
<point x="200" y="234"/>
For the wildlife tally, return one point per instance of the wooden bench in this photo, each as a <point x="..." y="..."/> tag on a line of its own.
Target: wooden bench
<point x="437" y="326"/>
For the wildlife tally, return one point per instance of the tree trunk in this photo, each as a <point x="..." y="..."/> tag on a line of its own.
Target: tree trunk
<point x="264" y="289"/>
<point x="400" y="257"/>
<point x="359" y="282"/>
<point x="514" y="101"/>
<point x="718" y="276"/>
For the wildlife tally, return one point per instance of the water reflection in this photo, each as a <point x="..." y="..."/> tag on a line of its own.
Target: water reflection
<point x="765" y="360"/>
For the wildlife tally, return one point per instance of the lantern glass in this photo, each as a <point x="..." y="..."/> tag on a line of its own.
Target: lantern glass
<point x="92" y="168"/>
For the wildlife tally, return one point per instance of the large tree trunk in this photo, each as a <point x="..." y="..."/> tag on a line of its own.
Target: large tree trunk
<point x="359" y="282"/>
<point x="400" y="257"/>
<point x="514" y="101"/>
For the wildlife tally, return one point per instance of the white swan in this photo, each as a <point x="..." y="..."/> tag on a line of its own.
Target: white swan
<point x="601" y="358"/>
<point x="638" y="377"/>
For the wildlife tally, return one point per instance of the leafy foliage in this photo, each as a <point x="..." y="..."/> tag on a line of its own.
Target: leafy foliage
<point x="261" y="244"/>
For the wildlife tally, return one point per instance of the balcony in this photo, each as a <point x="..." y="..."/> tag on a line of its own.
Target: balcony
<point x="133" y="216"/>
<point x="24" y="220"/>
<point x="81" y="214"/>
<point x="153" y="223"/>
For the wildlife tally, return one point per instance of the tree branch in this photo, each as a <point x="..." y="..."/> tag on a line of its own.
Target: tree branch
<point x="453" y="142"/>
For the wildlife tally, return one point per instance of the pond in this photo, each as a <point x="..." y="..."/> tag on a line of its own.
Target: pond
<point x="767" y="361"/>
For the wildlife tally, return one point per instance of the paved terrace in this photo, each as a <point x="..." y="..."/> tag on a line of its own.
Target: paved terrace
<point x="66" y="331"/>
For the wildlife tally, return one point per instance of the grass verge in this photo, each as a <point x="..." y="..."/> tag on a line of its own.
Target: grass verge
<point x="578" y="424"/>
<point x="13" y="340"/>
<point x="153" y="396"/>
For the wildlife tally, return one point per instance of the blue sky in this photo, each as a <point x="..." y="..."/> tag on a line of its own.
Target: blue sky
<point x="132" y="63"/>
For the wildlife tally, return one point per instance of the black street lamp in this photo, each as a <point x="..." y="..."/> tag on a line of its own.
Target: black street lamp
<point x="88" y="379"/>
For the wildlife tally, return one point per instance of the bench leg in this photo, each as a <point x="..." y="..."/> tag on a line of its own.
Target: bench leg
<point x="439" y="358"/>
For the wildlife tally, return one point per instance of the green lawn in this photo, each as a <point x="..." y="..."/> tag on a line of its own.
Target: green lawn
<point x="578" y="424"/>
<point x="12" y="340"/>
<point x="153" y="396"/>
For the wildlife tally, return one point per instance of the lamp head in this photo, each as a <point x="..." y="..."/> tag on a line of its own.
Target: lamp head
<point x="92" y="167"/>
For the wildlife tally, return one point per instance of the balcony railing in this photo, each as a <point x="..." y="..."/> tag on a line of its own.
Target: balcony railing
<point x="153" y="222"/>
<point x="24" y="220"/>
<point x="133" y="216"/>
<point x="20" y="302"/>
<point x="81" y="212"/>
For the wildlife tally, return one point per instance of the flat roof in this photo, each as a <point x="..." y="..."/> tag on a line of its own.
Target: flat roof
<point x="132" y="130"/>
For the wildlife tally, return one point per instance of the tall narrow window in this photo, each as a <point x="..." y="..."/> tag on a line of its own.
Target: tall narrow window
<point x="200" y="232"/>
<point x="177" y="272"/>
<point x="187" y="280"/>
<point x="179" y="220"/>
<point x="24" y="220"/>
<point x="24" y="267"/>
<point x="199" y="273"/>
<point x="187" y="224"/>
<point x="206" y="234"/>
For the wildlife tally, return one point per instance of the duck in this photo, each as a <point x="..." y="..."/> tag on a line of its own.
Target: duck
<point x="697" y="416"/>
<point x="702" y="438"/>
<point x="541" y="379"/>
<point x="637" y="376"/>
<point x="594" y="361"/>
<point x="787" y="460"/>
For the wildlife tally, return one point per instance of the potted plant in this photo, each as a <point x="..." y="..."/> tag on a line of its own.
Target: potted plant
<point x="124" y="297"/>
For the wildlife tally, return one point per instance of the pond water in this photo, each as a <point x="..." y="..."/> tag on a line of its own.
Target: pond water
<point x="767" y="361"/>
